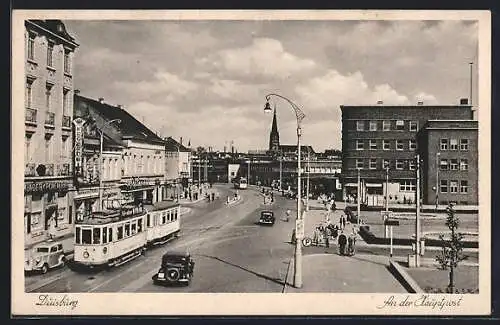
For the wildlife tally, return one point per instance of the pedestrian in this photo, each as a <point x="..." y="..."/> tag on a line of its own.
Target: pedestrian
<point x="326" y="233"/>
<point x="213" y="196"/>
<point x="294" y="236"/>
<point x="342" y="243"/>
<point x="343" y="221"/>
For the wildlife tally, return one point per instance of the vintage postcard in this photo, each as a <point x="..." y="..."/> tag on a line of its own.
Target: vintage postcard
<point x="251" y="162"/>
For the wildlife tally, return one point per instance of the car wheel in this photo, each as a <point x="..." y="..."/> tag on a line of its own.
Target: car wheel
<point x="45" y="268"/>
<point x="63" y="262"/>
<point x="173" y="274"/>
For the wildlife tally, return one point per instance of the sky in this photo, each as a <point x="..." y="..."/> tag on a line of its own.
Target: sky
<point x="206" y="81"/>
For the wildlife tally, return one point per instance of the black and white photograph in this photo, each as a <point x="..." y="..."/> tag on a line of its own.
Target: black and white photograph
<point x="312" y="162"/>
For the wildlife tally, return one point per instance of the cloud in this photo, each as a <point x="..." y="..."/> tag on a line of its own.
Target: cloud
<point x="264" y="57"/>
<point x="164" y="83"/>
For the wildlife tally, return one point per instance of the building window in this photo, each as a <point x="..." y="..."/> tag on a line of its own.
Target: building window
<point x="31" y="46"/>
<point x="453" y="164"/>
<point x="444" y="144"/>
<point x="400" y="125"/>
<point x="50" y="53"/>
<point x="29" y="93"/>
<point x="360" y="125"/>
<point x="386" y="144"/>
<point x="359" y="163"/>
<point x="464" y="164"/>
<point x="443" y="186"/>
<point x="386" y="163"/>
<point x="67" y="62"/>
<point x="399" y="145"/>
<point x="27" y="149"/>
<point x="453" y="144"/>
<point x="64" y="148"/>
<point x="48" y="96"/>
<point x="373" y="163"/>
<point x="48" y="149"/>
<point x="443" y="164"/>
<point x="386" y="125"/>
<point x="407" y="186"/>
<point x="464" y="144"/>
<point x="453" y="186"/>
<point x="373" y="144"/>
<point x="399" y="164"/>
<point x="360" y="144"/>
<point x="413" y="145"/>
<point x="464" y="187"/>
<point x="66" y="103"/>
<point x="373" y="125"/>
<point x="413" y="126"/>
<point x="412" y="164"/>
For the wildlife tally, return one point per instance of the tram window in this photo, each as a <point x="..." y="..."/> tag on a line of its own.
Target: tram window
<point x="77" y="235"/>
<point x="175" y="214"/>
<point x="127" y="229"/>
<point x="169" y="216"/>
<point x="110" y="237"/>
<point x="148" y="221"/>
<point x="163" y="218"/>
<point x="87" y="236"/>
<point x="104" y="235"/>
<point x="120" y="232"/>
<point x="97" y="236"/>
<point x="133" y="228"/>
<point x="139" y="225"/>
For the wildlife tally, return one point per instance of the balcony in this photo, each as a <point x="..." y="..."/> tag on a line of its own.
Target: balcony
<point x="63" y="170"/>
<point x="30" y="116"/>
<point x="50" y="118"/>
<point x="30" y="169"/>
<point x="66" y="121"/>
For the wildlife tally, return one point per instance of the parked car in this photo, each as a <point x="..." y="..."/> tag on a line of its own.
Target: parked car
<point x="44" y="256"/>
<point x="176" y="267"/>
<point x="267" y="218"/>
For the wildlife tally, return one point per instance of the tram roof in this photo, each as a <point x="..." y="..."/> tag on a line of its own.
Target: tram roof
<point x="107" y="216"/>
<point x="162" y="205"/>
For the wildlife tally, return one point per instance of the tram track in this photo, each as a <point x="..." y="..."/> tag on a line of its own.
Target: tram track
<point x="70" y="281"/>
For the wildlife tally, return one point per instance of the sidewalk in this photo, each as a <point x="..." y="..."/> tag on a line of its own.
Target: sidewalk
<point x="334" y="273"/>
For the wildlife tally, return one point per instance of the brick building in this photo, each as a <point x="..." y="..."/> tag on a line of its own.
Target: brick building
<point x="450" y="161"/>
<point x="381" y="142"/>
<point x="48" y="183"/>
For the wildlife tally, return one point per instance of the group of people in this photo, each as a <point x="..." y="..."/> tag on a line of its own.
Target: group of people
<point x="268" y="195"/>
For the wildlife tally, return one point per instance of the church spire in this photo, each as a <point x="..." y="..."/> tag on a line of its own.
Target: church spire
<point x="274" y="136"/>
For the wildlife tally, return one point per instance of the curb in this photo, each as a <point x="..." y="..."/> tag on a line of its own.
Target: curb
<point x="404" y="278"/>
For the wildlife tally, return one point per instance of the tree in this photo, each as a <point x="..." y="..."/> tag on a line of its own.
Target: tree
<point x="452" y="247"/>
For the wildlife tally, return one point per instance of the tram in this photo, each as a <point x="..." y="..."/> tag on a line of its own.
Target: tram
<point x="117" y="235"/>
<point x="241" y="183"/>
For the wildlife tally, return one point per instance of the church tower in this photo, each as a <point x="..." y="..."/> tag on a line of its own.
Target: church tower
<point x="274" y="137"/>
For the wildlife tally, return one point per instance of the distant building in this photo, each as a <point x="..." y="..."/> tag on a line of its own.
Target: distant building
<point x="382" y="142"/>
<point x="48" y="184"/>
<point x="177" y="168"/>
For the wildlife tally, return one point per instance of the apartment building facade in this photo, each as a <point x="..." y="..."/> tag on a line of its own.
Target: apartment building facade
<point x="380" y="147"/>
<point x="49" y="51"/>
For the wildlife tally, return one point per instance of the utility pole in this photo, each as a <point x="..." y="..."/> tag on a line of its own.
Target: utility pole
<point x="417" y="219"/>
<point x="281" y="171"/>
<point x="248" y="172"/>
<point x="387" y="200"/>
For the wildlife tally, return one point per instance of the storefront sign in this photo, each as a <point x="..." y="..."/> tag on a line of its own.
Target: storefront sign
<point x="78" y="122"/>
<point x="46" y="186"/>
<point x="136" y="183"/>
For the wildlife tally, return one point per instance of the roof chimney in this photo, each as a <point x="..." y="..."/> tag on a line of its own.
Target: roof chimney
<point x="181" y="141"/>
<point x="420" y="103"/>
<point x="77" y="91"/>
<point x="464" y="101"/>
<point x="101" y="100"/>
<point x="119" y="106"/>
<point x="380" y="102"/>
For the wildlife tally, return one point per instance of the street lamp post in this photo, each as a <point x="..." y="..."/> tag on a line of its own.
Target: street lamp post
<point x="417" y="217"/>
<point x="386" y="199"/>
<point x="297" y="272"/>
<point x="308" y="172"/>
<point x="248" y="172"/>
<point x="437" y="179"/>
<point x="101" y="159"/>
<point x="281" y="172"/>
<point x="359" y="195"/>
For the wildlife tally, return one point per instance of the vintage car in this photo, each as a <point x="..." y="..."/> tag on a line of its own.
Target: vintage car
<point x="44" y="256"/>
<point x="176" y="267"/>
<point x="267" y="218"/>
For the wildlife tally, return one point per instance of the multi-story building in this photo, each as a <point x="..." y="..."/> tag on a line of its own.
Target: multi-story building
<point x="450" y="157"/>
<point x="89" y="168"/>
<point x="141" y="171"/>
<point x="177" y="168"/>
<point x="380" y="146"/>
<point x="49" y="53"/>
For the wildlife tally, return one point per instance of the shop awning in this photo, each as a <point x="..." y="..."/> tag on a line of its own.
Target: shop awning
<point x="138" y="190"/>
